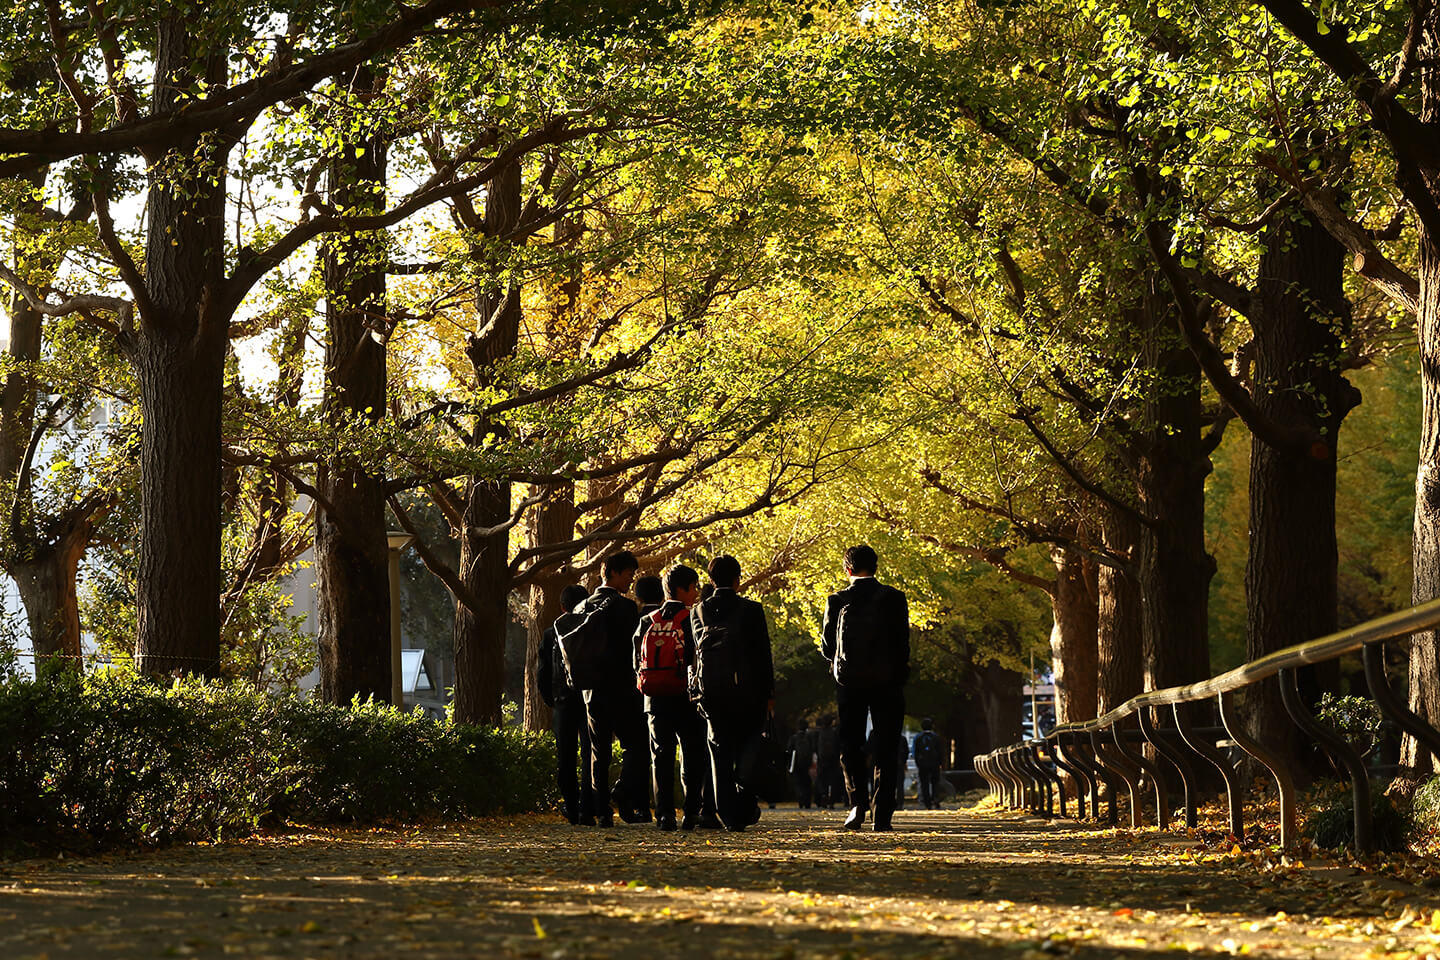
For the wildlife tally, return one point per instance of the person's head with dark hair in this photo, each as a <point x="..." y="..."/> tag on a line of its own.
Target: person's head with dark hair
<point x="724" y="572"/>
<point x="802" y="724"/>
<point x="650" y="591"/>
<point x="619" y="570"/>
<point x="927" y="724"/>
<point x="682" y="583"/>
<point x="860" y="561"/>
<point x="827" y="721"/>
<point x="572" y="596"/>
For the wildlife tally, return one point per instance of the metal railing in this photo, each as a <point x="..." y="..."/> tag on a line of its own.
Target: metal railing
<point x="1103" y="749"/>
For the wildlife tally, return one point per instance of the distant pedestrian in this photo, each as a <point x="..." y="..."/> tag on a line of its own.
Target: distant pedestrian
<point x="611" y="617"/>
<point x="801" y="754"/>
<point x="866" y="638"/>
<point x="567" y="705"/>
<point x="734" y="682"/>
<point x="927" y="764"/>
<point x="664" y="650"/>
<point x="829" y="783"/>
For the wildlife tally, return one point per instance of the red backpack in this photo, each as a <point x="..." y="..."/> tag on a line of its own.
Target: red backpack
<point x="661" y="670"/>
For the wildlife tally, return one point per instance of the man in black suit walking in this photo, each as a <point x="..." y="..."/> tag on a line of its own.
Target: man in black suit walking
<point x="571" y="729"/>
<point x="609" y="705"/>
<point x="866" y="638"/>
<point x="734" y="678"/>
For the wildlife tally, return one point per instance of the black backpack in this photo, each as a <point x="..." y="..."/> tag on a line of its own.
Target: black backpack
<point x="583" y="637"/>
<point x="927" y="749"/>
<point x="718" y="677"/>
<point x="860" y="660"/>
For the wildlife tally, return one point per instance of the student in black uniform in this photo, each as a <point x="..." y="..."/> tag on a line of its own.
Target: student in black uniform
<point x="734" y="678"/>
<point x="567" y="707"/>
<point x="664" y="650"/>
<point x="866" y="638"/>
<point x="609" y="703"/>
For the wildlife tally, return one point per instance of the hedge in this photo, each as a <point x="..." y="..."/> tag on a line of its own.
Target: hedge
<point x="106" y="760"/>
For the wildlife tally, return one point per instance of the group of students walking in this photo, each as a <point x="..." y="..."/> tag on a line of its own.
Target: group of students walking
<point x="691" y="668"/>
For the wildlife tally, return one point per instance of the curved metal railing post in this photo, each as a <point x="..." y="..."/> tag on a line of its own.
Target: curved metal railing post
<point x="1217" y="759"/>
<point x="1115" y="770"/>
<point x="1272" y="761"/>
<point x="1093" y="774"/>
<point x="1392" y="706"/>
<point x="1050" y="781"/>
<point x="1177" y="758"/>
<point x="1016" y="800"/>
<point x="1138" y="758"/>
<point x="1039" y="789"/>
<point x="1089" y="776"/>
<point x="1340" y="750"/>
<point x="1066" y="764"/>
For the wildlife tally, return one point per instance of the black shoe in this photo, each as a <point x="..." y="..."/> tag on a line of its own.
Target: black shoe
<point x="605" y="819"/>
<point x="689" y="823"/>
<point x="666" y="823"/>
<point x="586" y="821"/>
<point x="882" y="826"/>
<point x="855" y="819"/>
<point x="634" y="816"/>
<point x="711" y="822"/>
<point x="738" y="828"/>
<point x="754" y="817"/>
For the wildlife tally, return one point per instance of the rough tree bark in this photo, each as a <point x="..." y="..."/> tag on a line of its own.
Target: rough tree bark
<point x="484" y="555"/>
<point x="1174" y="569"/>
<point x="1073" y="637"/>
<point x="178" y="352"/>
<point x="1290" y="578"/>
<point x="1120" y="635"/>
<point x="351" y="550"/>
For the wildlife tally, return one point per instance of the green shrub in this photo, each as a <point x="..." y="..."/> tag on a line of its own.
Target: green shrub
<point x="1357" y="719"/>
<point x="1332" y="824"/>
<point x="1425" y="805"/>
<point x="107" y="760"/>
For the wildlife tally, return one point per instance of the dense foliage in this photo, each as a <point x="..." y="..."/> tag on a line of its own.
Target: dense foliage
<point x="108" y="760"/>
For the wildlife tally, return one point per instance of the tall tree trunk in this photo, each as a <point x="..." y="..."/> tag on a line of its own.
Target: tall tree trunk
<point x="1424" y="681"/>
<point x="46" y="581"/>
<point x="351" y="550"/>
<point x="480" y="632"/>
<point x="1290" y="577"/>
<point x="1120" y="634"/>
<point x="1001" y="703"/>
<point x="553" y="522"/>
<point x="1073" y="637"/>
<point x="178" y="353"/>
<point x="1174" y="569"/>
<point x="484" y="556"/>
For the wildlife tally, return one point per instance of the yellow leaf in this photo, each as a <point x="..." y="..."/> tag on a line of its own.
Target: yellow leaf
<point x="539" y="930"/>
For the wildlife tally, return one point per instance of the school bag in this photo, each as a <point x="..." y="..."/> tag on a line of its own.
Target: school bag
<point x="927" y="749"/>
<point x="584" y="637"/>
<point x="860" y="661"/>
<point x="661" y="665"/>
<point x="719" y="661"/>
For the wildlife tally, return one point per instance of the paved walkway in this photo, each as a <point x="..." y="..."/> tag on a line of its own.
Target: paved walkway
<point x="946" y="884"/>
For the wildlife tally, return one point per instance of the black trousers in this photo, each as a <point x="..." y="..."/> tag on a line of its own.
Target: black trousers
<point x="735" y="805"/>
<point x="572" y="731"/>
<point x="610" y="714"/>
<point x="929" y="786"/>
<point x="829" y="783"/>
<point x="884" y="707"/>
<point x="802" y="786"/>
<point x="674" y="720"/>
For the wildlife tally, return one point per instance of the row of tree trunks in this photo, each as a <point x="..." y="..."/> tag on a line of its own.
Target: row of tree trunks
<point x="1073" y="643"/>
<point x="1120" y="640"/>
<point x="351" y="547"/>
